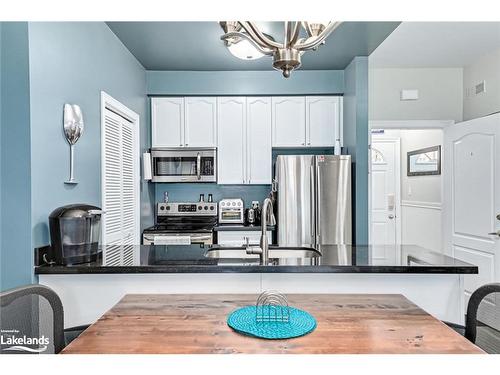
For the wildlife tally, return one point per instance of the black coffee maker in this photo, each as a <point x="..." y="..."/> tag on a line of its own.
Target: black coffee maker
<point x="74" y="233"/>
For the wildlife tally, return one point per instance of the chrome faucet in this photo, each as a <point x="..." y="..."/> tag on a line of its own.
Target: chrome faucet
<point x="263" y="250"/>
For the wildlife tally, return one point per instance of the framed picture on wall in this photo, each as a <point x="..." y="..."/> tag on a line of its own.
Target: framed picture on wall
<point x="424" y="162"/>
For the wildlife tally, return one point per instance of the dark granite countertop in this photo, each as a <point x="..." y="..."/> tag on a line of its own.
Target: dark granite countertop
<point x="241" y="227"/>
<point x="334" y="259"/>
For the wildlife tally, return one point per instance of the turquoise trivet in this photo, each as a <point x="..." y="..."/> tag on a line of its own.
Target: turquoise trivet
<point x="243" y="321"/>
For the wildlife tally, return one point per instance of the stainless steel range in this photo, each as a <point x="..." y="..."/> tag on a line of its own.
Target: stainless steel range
<point x="182" y="224"/>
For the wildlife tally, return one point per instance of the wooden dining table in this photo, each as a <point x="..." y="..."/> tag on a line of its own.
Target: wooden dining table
<point x="196" y="324"/>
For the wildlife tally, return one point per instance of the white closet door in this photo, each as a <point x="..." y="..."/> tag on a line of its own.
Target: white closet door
<point x="231" y="144"/>
<point x="120" y="183"/>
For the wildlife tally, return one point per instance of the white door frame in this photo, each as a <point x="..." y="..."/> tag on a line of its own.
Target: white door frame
<point x="107" y="101"/>
<point x="397" y="177"/>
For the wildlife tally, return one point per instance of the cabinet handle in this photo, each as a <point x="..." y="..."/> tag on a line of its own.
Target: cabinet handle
<point x="303" y="143"/>
<point x="186" y="144"/>
<point x="181" y="145"/>
<point x="308" y="143"/>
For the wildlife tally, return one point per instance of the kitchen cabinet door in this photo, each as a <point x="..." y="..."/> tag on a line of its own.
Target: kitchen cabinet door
<point x="259" y="145"/>
<point x="322" y="120"/>
<point x="201" y="122"/>
<point x="167" y="122"/>
<point x="231" y="140"/>
<point x="289" y="121"/>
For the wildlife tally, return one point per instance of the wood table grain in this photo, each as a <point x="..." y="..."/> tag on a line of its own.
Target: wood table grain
<point x="347" y="323"/>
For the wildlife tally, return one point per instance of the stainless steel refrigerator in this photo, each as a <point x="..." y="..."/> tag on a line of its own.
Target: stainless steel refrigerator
<point x="314" y="200"/>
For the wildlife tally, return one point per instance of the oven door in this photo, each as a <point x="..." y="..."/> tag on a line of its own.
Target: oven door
<point x="177" y="238"/>
<point x="183" y="165"/>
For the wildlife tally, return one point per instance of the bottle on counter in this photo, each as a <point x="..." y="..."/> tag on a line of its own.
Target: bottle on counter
<point x="250" y="216"/>
<point x="257" y="212"/>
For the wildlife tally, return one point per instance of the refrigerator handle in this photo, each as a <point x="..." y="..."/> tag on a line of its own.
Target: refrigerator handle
<point x="313" y="206"/>
<point x="318" y="204"/>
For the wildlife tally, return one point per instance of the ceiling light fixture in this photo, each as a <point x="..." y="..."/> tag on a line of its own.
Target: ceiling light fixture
<point x="286" y="55"/>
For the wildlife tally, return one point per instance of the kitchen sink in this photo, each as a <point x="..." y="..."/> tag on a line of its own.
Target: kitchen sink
<point x="277" y="255"/>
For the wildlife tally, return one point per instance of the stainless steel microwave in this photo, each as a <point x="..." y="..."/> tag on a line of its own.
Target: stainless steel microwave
<point x="184" y="165"/>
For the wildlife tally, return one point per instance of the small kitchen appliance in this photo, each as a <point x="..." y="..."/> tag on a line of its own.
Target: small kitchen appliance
<point x="74" y="233"/>
<point x="182" y="223"/>
<point x="231" y="211"/>
<point x="184" y="164"/>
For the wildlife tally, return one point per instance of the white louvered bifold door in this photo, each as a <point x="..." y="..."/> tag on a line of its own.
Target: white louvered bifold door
<point x="120" y="181"/>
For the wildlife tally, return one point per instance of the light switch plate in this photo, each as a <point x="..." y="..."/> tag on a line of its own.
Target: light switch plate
<point x="409" y="94"/>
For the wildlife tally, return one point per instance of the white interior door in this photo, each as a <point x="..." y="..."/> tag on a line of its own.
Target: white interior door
<point x="119" y="174"/>
<point x="472" y="203"/>
<point x="385" y="197"/>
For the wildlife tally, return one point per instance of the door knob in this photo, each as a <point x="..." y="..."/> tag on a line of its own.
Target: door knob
<point x="391" y="216"/>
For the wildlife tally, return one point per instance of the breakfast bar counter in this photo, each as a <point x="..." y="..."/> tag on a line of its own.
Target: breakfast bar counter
<point x="195" y="259"/>
<point x="432" y="280"/>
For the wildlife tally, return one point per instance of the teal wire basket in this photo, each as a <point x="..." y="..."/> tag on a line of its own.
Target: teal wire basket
<point x="271" y="318"/>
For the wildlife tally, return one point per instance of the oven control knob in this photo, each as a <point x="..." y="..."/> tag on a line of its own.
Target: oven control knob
<point x="212" y="208"/>
<point x="168" y="208"/>
<point x="200" y="208"/>
<point x="162" y="208"/>
<point x="206" y="207"/>
<point x="234" y="203"/>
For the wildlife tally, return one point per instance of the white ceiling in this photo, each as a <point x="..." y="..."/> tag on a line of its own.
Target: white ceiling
<point x="436" y="44"/>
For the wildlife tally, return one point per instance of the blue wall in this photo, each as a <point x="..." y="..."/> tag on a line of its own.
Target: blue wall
<point x="356" y="141"/>
<point x="15" y="249"/>
<point x="267" y="82"/>
<point x="71" y="63"/>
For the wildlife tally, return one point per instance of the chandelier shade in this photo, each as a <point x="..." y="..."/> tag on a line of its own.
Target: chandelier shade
<point x="287" y="54"/>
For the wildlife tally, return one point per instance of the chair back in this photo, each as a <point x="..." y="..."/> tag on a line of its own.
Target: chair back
<point x="482" y="325"/>
<point x="31" y="321"/>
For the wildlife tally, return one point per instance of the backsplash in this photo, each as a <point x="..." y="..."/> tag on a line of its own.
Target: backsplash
<point x="190" y="192"/>
<point x="187" y="192"/>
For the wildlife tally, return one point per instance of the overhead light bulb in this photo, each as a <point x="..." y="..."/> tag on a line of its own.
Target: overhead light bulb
<point x="244" y="50"/>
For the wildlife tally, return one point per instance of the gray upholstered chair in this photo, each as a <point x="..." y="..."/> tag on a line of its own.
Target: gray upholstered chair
<point x="483" y="336"/>
<point x="31" y="320"/>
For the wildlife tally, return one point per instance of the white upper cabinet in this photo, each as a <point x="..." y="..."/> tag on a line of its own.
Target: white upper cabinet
<point x="184" y="122"/>
<point x="200" y="122"/>
<point x="289" y="121"/>
<point x="167" y="122"/>
<point x="231" y="139"/>
<point x="259" y="148"/>
<point x="322" y="120"/>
